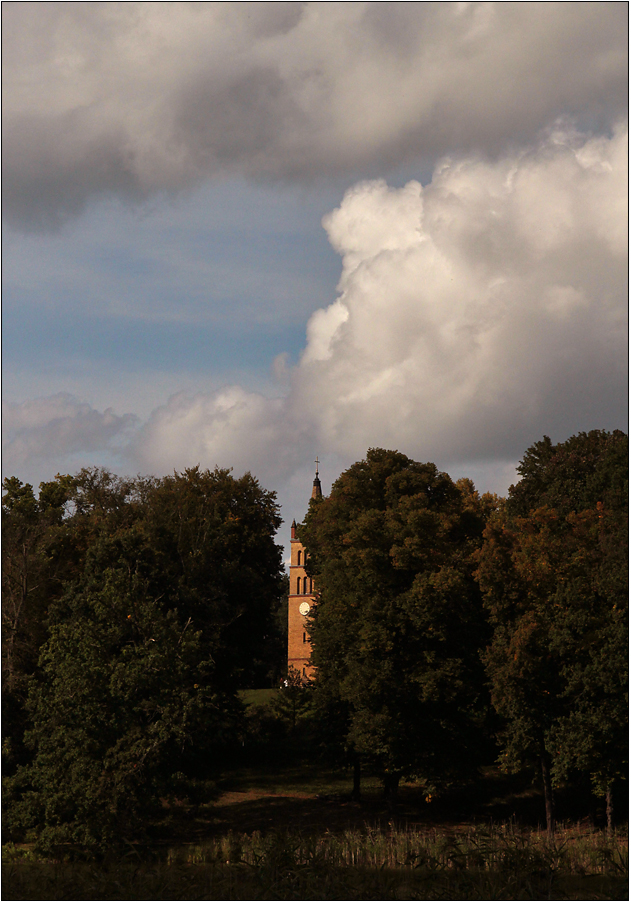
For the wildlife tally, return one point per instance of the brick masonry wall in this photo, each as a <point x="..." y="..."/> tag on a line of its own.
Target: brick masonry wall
<point x="298" y="651"/>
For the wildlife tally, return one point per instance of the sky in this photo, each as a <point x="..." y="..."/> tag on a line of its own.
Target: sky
<point x="250" y="234"/>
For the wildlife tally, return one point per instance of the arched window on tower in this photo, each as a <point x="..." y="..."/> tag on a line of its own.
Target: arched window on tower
<point x="298" y="585"/>
<point x="299" y="557"/>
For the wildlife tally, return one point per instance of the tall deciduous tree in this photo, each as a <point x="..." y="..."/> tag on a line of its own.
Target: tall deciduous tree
<point x="126" y="700"/>
<point x="32" y="575"/>
<point x="398" y="623"/>
<point x="29" y="575"/>
<point x="167" y="609"/>
<point x="554" y="575"/>
<point x="216" y="559"/>
<point x="573" y="475"/>
<point x="592" y="643"/>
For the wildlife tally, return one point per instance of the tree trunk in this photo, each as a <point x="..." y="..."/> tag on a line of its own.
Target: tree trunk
<point x="609" y="807"/>
<point x="357" y="773"/>
<point x="548" y="794"/>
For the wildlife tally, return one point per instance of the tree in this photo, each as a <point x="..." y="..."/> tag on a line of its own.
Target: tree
<point x="517" y="575"/>
<point x="167" y="607"/>
<point x="398" y="623"/>
<point x="217" y="562"/>
<point x="127" y="700"/>
<point x="293" y="701"/>
<point x="31" y="576"/>
<point x="573" y="475"/>
<point x="554" y="577"/>
<point x="28" y="528"/>
<point x="591" y="642"/>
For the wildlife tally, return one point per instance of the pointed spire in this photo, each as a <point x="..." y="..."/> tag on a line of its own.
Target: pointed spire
<point x="316" y="492"/>
<point x="293" y="529"/>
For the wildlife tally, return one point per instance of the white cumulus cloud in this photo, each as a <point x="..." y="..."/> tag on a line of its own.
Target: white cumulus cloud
<point x="494" y="310"/>
<point x="229" y="428"/>
<point x="475" y="314"/>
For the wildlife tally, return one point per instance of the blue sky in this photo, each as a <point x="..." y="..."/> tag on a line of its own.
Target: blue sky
<point x="246" y="234"/>
<point x="213" y="284"/>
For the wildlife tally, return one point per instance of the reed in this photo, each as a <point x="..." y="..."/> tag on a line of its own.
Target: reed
<point x="499" y="862"/>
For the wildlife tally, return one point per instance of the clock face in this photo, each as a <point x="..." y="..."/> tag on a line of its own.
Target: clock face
<point x="304" y="608"/>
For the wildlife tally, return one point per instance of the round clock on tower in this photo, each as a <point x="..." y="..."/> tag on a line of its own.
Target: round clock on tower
<point x="301" y="598"/>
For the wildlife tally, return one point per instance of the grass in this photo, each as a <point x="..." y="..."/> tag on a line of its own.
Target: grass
<point x="299" y="777"/>
<point x="492" y="863"/>
<point x="257" y="697"/>
<point x="281" y="825"/>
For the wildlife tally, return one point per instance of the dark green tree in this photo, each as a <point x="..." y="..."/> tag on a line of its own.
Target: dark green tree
<point x="167" y="607"/>
<point x="293" y="702"/>
<point x="32" y="575"/>
<point x="398" y="624"/>
<point x="573" y="475"/>
<point x="30" y="527"/>
<point x="127" y="701"/>
<point x="217" y="562"/>
<point x="592" y="643"/>
<point x="554" y="576"/>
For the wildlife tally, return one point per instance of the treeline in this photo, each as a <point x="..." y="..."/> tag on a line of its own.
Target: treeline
<point x="133" y="612"/>
<point x="445" y="618"/>
<point x="451" y="628"/>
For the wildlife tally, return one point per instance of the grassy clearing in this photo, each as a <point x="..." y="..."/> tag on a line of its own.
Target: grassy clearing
<point x="280" y="824"/>
<point x="301" y="777"/>
<point x="257" y="697"/>
<point x="497" y="863"/>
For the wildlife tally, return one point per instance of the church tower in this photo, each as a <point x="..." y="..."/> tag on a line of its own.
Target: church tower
<point x="301" y="598"/>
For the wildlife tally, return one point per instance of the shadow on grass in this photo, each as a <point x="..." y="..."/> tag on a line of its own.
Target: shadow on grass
<point x="303" y="798"/>
<point x="255" y="802"/>
<point x="278" y="876"/>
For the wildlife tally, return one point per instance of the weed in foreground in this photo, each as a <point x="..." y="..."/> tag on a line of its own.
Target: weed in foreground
<point x="491" y="863"/>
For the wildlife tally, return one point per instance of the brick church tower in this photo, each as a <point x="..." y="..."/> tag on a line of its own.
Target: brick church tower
<point x="301" y="598"/>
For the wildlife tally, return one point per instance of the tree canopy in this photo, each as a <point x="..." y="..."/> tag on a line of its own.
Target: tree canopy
<point x="398" y="623"/>
<point x="156" y="600"/>
<point x="553" y="570"/>
<point x="448" y="626"/>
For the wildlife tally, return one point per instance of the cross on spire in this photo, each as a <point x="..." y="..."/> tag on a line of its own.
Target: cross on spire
<point x="316" y="492"/>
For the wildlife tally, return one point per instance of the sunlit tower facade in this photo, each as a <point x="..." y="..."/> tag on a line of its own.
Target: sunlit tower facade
<point x="301" y="599"/>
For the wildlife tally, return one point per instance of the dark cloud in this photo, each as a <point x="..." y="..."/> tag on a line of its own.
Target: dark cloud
<point x="236" y="128"/>
<point x="52" y="166"/>
<point x="136" y="98"/>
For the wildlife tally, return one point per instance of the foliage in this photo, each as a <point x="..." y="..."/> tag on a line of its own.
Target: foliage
<point x="591" y="644"/>
<point x="127" y="696"/>
<point x="32" y="574"/>
<point x="294" y="700"/>
<point x="29" y="529"/>
<point x="398" y="623"/>
<point x="555" y="586"/>
<point x="573" y="475"/>
<point x="135" y="610"/>
<point x="167" y="605"/>
<point x="213" y="539"/>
